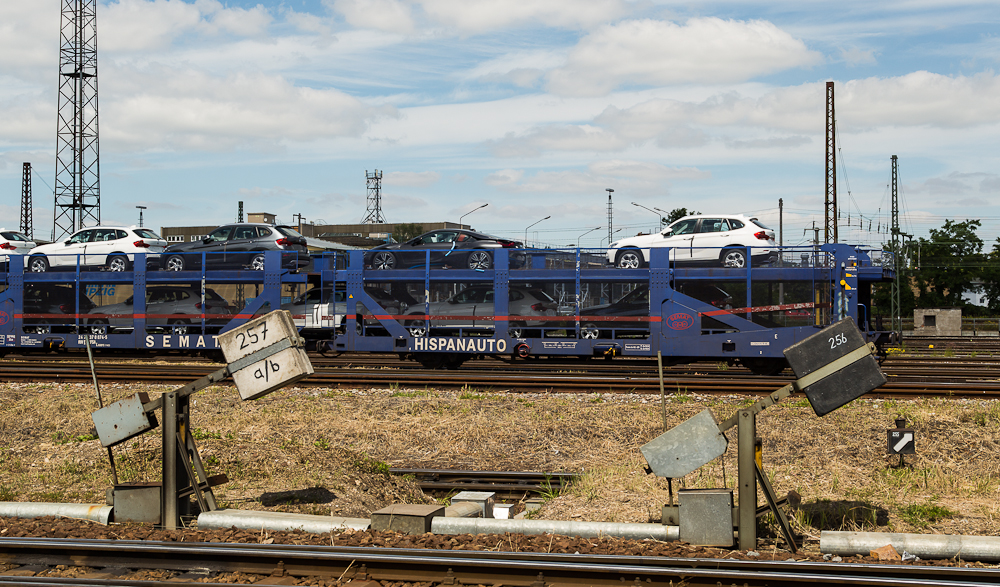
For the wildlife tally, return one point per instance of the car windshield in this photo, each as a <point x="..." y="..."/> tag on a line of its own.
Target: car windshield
<point x="146" y="233"/>
<point x="760" y="224"/>
<point x="14" y="236"/>
<point x="287" y="231"/>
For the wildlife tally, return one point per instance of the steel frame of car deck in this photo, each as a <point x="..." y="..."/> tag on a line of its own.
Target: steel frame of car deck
<point x="674" y="322"/>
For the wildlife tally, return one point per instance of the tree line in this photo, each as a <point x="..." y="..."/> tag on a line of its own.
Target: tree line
<point x="937" y="271"/>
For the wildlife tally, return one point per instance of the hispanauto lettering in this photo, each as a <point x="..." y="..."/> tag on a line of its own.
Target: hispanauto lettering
<point x="469" y="345"/>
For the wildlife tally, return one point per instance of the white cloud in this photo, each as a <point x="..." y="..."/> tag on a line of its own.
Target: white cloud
<point x="477" y="16"/>
<point x="392" y="16"/>
<point x="411" y="179"/>
<point x="504" y="177"/>
<point x="653" y="53"/>
<point x="645" y="170"/>
<point x="856" y="56"/>
<point x="29" y="42"/>
<point x="149" y="25"/>
<point x="163" y="109"/>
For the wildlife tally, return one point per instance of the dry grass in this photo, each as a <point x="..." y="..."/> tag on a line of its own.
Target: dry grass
<point x="324" y="451"/>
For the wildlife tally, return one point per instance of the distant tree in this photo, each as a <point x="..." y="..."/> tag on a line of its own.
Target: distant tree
<point x="405" y="232"/>
<point x="677" y="214"/>
<point x="990" y="276"/>
<point x="949" y="261"/>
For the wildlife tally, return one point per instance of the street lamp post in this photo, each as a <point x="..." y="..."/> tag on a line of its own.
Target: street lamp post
<point x="612" y="236"/>
<point x="651" y="210"/>
<point x="460" y="225"/>
<point x="586" y="233"/>
<point x="610" y="211"/>
<point x="141" y="208"/>
<point x="529" y="226"/>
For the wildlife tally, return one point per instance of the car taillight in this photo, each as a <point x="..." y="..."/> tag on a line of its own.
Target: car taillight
<point x="508" y="244"/>
<point x="7" y="247"/>
<point x="538" y="307"/>
<point x="67" y="309"/>
<point x="762" y="235"/>
<point x="283" y="241"/>
<point x="141" y="244"/>
<point x="198" y="306"/>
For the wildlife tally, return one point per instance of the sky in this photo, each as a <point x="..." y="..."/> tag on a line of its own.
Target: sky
<point x="533" y="107"/>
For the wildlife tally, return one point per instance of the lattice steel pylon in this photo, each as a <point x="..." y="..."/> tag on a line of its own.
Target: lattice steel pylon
<point x="830" y="209"/>
<point x="26" y="224"/>
<point x="374" y="182"/>
<point x="78" y="184"/>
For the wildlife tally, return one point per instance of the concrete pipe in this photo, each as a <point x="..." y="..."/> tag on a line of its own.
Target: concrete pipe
<point x="277" y="521"/>
<point x="95" y="512"/>
<point x="926" y="546"/>
<point x="444" y="525"/>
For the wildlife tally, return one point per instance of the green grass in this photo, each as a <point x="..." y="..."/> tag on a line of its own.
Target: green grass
<point x="924" y="514"/>
<point x="200" y="434"/>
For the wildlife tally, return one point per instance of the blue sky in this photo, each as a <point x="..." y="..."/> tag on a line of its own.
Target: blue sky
<point x="533" y="107"/>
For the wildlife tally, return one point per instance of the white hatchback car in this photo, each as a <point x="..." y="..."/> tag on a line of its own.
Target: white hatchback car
<point x="705" y="239"/>
<point x="13" y="243"/>
<point x="111" y="247"/>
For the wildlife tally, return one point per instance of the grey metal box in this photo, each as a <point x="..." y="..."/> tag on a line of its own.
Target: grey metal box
<point x="406" y="518"/>
<point x="846" y="384"/>
<point x="706" y="516"/>
<point x="122" y="420"/>
<point x="137" y="502"/>
<point x="685" y="447"/>
<point x="484" y="499"/>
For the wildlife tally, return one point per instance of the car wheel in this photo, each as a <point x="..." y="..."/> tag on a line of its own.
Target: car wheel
<point x="733" y="258"/>
<point x="38" y="265"/>
<point x="38" y="329"/>
<point x="257" y="263"/>
<point x="590" y="331"/>
<point x="480" y="260"/>
<point x="384" y="260"/>
<point x="180" y="326"/>
<point x="118" y="263"/>
<point x="98" y="326"/>
<point x="174" y="263"/>
<point x="516" y="330"/>
<point x="630" y="259"/>
<point x="417" y="328"/>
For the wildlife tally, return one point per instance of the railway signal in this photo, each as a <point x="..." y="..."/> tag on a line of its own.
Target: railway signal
<point x="263" y="354"/>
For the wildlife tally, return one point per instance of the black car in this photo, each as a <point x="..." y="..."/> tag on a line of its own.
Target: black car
<point x="235" y="246"/>
<point x="598" y="321"/>
<point x="449" y="248"/>
<point x="52" y="307"/>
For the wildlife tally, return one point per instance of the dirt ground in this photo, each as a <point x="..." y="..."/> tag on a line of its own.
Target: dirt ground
<point x="326" y="451"/>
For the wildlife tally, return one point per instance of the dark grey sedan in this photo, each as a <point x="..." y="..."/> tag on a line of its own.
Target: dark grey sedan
<point x="448" y="247"/>
<point x="237" y="246"/>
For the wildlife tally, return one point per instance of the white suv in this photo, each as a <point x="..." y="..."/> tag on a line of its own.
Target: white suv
<point x="111" y="247"/>
<point x="706" y="238"/>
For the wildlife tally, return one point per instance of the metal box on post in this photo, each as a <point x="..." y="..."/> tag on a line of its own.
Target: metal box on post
<point x="137" y="503"/>
<point x="706" y="517"/>
<point x="685" y="447"/>
<point x="842" y="386"/>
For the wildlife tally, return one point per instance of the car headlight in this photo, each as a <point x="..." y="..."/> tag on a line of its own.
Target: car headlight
<point x="613" y="245"/>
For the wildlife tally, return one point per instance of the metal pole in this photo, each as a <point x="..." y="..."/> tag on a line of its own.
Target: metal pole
<point x="169" y="516"/>
<point x="747" y="474"/>
<point x="100" y="402"/>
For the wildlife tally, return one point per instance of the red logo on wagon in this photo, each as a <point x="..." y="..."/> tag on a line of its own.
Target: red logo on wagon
<point x="680" y="321"/>
<point x="4" y="317"/>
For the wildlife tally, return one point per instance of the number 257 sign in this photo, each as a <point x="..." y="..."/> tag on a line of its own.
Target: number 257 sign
<point x="265" y="354"/>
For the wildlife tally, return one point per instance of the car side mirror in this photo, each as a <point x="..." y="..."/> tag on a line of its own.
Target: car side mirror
<point x="206" y="240"/>
<point x="68" y="243"/>
<point x="667" y="231"/>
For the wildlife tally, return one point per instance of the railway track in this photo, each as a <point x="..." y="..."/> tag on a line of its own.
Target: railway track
<point x="912" y="376"/>
<point x="113" y="562"/>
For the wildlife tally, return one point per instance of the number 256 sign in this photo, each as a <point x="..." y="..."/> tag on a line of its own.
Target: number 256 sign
<point x="265" y="354"/>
